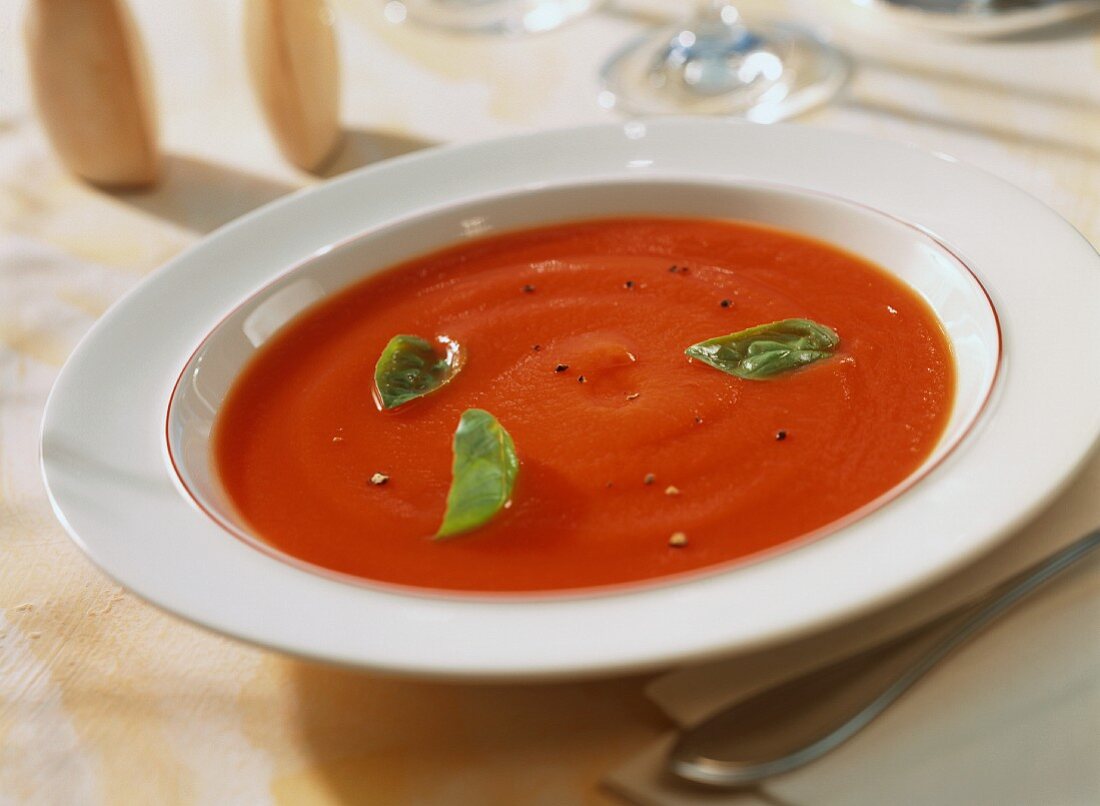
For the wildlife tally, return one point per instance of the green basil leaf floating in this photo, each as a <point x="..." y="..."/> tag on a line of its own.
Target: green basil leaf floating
<point x="483" y="473"/>
<point x="411" y="367"/>
<point x="765" y="350"/>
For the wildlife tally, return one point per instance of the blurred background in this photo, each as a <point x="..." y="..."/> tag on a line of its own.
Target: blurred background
<point x="1025" y="105"/>
<point x="104" y="699"/>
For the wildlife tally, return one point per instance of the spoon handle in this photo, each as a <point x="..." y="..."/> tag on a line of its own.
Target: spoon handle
<point x="796" y="722"/>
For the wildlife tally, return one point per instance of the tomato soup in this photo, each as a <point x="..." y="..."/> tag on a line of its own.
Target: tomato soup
<point x="635" y="462"/>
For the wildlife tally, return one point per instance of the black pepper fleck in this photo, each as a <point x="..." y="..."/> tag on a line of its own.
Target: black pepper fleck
<point x="726" y="303"/>
<point x="580" y="379"/>
<point x="561" y="368"/>
<point x="698" y="420"/>
<point x="649" y="478"/>
<point x="536" y="347"/>
<point x="629" y="284"/>
<point x="528" y="289"/>
<point x="780" y="436"/>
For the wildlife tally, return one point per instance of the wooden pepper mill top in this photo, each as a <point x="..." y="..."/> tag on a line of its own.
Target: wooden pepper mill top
<point x="92" y="89"/>
<point x="294" y="65"/>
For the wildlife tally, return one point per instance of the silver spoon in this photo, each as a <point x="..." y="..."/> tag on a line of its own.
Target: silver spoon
<point x="794" y="723"/>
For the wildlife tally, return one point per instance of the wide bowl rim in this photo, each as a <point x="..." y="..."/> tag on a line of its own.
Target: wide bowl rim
<point x="107" y="495"/>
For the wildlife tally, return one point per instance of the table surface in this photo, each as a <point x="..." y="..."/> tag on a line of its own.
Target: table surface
<point x="106" y="699"/>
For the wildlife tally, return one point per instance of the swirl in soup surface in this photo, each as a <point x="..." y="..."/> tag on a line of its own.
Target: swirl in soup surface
<point x="649" y="444"/>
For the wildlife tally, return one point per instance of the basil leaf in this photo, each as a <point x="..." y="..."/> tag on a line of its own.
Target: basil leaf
<point x="483" y="473"/>
<point x="411" y="367"/>
<point x="765" y="350"/>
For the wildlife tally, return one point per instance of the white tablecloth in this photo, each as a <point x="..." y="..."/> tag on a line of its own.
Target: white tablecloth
<point x="104" y="699"/>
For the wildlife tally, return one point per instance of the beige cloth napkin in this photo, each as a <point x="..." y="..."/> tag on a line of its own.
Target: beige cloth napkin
<point x="1012" y="718"/>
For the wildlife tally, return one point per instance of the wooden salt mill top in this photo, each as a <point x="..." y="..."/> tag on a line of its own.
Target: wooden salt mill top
<point x="92" y="89"/>
<point x="294" y="66"/>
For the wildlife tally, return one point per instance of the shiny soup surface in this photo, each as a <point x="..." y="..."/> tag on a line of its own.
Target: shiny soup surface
<point x="651" y="466"/>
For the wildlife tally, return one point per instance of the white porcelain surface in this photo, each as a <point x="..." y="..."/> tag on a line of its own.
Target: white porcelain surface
<point x="104" y="430"/>
<point x="971" y="20"/>
<point x="953" y="292"/>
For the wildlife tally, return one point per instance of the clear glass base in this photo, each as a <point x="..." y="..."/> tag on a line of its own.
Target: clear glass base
<point x="763" y="72"/>
<point x="508" y="17"/>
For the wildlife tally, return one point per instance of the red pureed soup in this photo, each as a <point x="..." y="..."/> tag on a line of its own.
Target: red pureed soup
<point x="635" y="462"/>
